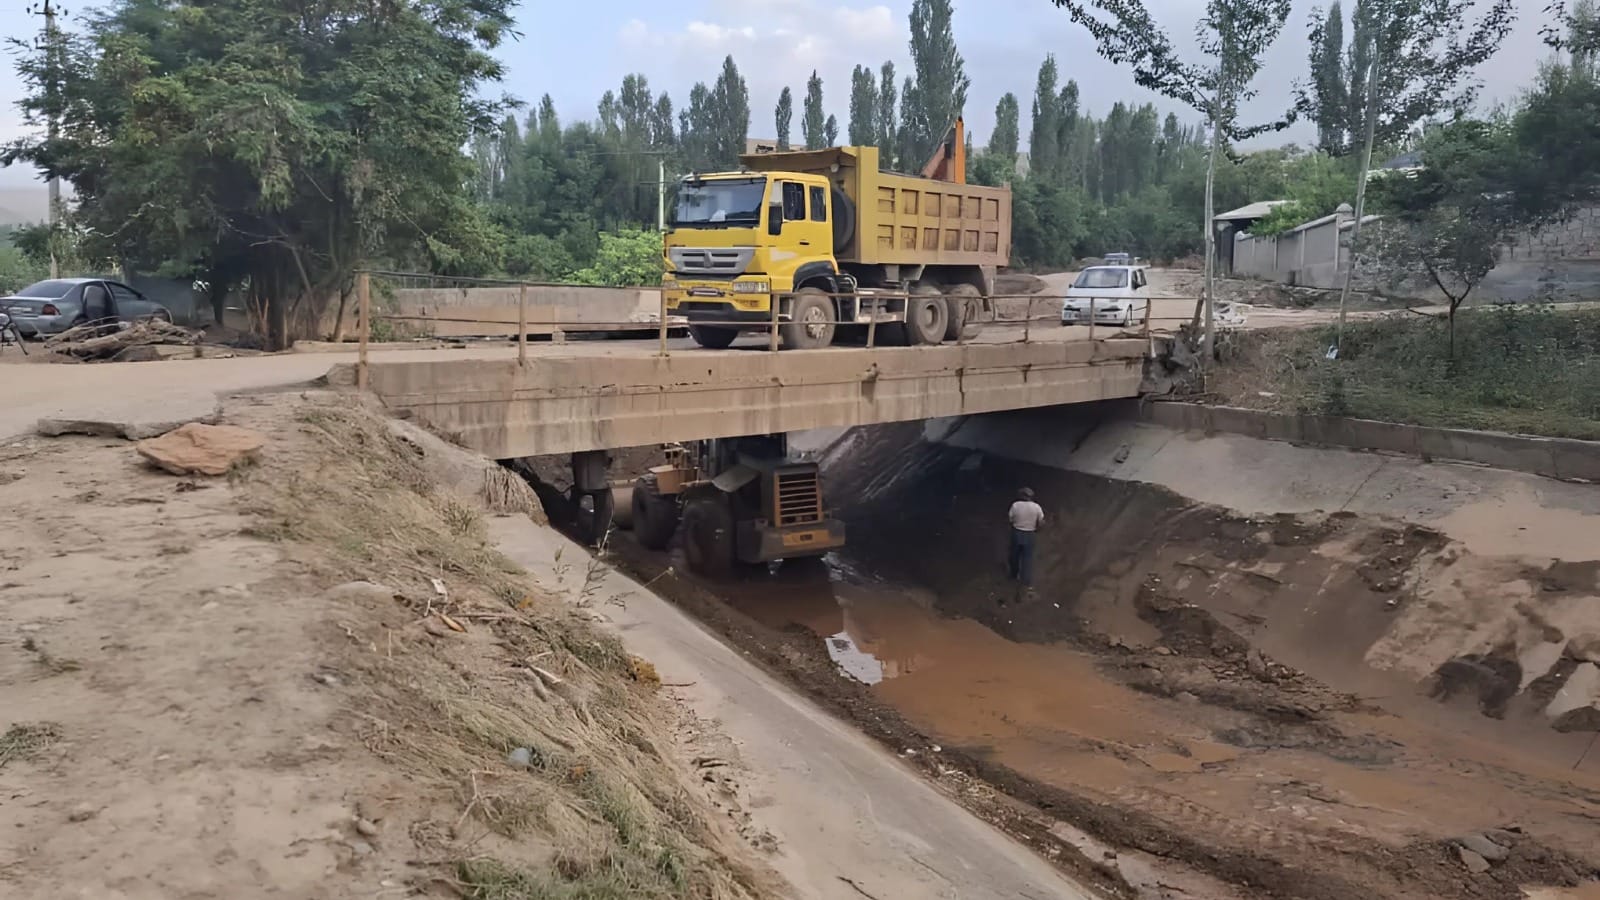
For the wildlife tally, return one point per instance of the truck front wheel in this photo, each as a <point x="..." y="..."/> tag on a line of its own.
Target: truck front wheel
<point x="655" y="515"/>
<point x="712" y="337"/>
<point x="810" y="324"/>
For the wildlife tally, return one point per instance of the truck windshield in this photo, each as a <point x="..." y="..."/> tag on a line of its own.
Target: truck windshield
<point x="730" y="203"/>
<point x="1102" y="278"/>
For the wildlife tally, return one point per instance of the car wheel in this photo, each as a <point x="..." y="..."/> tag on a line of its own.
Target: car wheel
<point x="161" y="315"/>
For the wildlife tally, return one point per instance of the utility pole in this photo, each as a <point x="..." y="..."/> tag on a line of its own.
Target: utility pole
<point x="1361" y="187"/>
<point x="53" y="57"/>
<point x="661" y="194"/>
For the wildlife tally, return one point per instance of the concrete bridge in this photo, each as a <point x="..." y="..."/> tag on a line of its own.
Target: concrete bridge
<point x="586" y="397"/>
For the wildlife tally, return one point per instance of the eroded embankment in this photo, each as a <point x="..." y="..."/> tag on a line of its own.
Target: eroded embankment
<point x="1264" y="691"/>
<point x="1305" y="705"/>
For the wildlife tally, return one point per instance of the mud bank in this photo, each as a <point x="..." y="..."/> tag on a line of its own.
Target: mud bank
<point x="1337" y="690"/>
<point x="1322" y="686"/>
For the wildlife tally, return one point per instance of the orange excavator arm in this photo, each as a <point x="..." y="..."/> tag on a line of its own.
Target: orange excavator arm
<point x="949" y="161"/>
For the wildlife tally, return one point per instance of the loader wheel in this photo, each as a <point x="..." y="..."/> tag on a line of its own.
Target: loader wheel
<point x="592" y="511"/>
<point x="655" y="517"/>
<point x="810" y="324"/>
<point x="708" y="535"/>
<point x="966" y="312"/>
<point x="713" y="337"/>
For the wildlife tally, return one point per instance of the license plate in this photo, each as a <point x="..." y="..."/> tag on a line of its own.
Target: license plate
<point x="803" y="538"/>
<point x="704" y="292"/>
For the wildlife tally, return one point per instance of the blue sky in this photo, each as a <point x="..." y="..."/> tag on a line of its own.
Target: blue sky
<point x="576" y="51"/>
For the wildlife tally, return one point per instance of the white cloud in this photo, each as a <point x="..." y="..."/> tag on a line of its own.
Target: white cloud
<point x="776" y="43"/>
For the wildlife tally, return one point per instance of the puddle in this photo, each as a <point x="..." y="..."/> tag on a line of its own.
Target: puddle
<point x="1026" y="703"/>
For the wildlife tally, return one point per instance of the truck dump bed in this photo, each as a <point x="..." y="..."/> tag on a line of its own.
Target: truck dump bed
<point x="903" y="219"/>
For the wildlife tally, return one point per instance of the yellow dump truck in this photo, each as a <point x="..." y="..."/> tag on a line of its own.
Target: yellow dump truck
<point x="839" y="246"/>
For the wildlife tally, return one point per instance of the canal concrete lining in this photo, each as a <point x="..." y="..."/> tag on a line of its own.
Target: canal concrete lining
<point x="852" y="820"/>
<point x="570" y="403"/>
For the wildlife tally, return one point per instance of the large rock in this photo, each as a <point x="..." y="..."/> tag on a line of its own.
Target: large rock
<point x="131" y="430"/>
<point x="196" y="449"/>
<point x="1581" y="690"/>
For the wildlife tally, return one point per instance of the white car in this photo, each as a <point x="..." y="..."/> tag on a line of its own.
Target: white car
<point x="1112" y="295"/>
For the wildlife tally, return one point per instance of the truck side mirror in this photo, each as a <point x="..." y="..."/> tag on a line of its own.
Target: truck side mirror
<point x="775" y="219"/>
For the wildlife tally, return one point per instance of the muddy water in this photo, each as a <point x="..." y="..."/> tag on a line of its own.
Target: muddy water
<point x="1175" y="718"/>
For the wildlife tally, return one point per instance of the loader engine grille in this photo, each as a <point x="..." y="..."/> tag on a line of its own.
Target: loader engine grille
<point x="799" y="498"/>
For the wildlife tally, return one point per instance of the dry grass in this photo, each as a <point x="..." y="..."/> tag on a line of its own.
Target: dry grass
<point x="603" y="795"/>
<point x="25" y="741"/>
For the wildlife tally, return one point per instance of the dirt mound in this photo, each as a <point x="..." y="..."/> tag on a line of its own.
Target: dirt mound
<point x="321" y="676"/>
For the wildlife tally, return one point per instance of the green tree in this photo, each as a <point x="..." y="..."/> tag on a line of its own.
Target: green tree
<point x="625" y="259"/>
<point x="1044" y="144"/>
<point x="1454" y="215"/>
<point x="888" y="129"/>
<point x="863" y="107"/>
<point x="1328" y="99"/>
<point x="830" y="132"/>
<point x="939" y="92"/>
<point x="784" y="116"/>
<point x="813" y="120"/>
<point x="1233" y="35"/>
<point x="1003" y="140"/>
<point x="289" y="153"/>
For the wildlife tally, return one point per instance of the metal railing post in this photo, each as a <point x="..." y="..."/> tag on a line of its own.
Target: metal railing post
<point x="1027" y="325"/>
<point x="772" y="337"/>
<point x="872" y="327"/>
<point x="1091" y="318"/>
<point x="522" y="325"/>
<point x="364" y="311"/>
<point x="662" y="349"/>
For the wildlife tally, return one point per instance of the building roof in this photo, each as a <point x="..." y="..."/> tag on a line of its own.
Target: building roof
<point x="1409" y="160"/>
<point x="1249" y="213"/>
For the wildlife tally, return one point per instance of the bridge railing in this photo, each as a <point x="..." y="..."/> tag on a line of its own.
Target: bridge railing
<point x="1012" y="317"/>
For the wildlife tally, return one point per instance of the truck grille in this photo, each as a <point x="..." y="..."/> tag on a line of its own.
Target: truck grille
<point x="726" y="261"/>
<point x="799" y="498"/>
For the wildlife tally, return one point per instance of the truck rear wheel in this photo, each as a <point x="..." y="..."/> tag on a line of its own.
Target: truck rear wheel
<point x="708" y="535"/>
<point x="713" y="337"/>
<point x="966" y="318"/>
<point x="655" y="516"/>
<point x="810" y="324"/>
<point x="926" y="316"/>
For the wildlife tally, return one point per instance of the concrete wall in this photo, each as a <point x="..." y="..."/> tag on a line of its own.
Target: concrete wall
<point x="1552" y="457"/>
<point x="566" y="403"/>
<point x="493" y="310"/>
<point x="1561" y="262"/>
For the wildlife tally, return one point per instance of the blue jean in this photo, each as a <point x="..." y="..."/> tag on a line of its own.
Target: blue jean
<point x="1021" y="558"/>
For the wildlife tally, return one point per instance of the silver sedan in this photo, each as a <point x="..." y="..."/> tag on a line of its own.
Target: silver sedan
<point x="53" y="306"/>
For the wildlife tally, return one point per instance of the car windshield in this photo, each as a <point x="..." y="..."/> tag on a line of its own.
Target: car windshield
<point x="47" y="290"/>
<point x="730" y="202"/>
<point x="1102" y="278"/>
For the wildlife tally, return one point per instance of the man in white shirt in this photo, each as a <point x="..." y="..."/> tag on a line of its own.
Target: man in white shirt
<point x="1026" y="517"/>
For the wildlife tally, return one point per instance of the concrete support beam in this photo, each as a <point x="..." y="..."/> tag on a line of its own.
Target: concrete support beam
<point x="571" y="404"/>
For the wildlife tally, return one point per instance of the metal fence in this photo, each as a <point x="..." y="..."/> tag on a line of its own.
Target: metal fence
<point x="1012" y="318"/>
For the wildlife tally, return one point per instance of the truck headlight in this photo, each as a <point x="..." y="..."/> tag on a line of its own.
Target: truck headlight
<point x="752" y="287"/>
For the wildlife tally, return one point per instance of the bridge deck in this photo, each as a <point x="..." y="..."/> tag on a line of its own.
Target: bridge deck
<point x="567" y="403"/>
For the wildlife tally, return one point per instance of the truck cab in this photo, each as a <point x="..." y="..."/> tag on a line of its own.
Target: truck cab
<point x="739" y="239"/>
